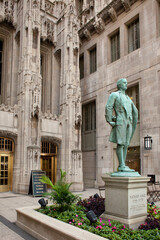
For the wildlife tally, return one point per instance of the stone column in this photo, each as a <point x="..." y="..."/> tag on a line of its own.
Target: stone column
<point x="71" y="108"/>
<point x="29" y="94"/>
<point x="126" y="200"/>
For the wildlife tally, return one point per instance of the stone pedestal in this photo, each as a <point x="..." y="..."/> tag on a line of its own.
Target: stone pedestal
<point x="126" y="200"/>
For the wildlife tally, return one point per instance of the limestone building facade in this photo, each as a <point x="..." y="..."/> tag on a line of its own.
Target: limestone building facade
<point x="59" y="61"/>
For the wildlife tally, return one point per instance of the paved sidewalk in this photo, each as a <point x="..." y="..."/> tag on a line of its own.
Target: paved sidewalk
<point x="9" y="201"/>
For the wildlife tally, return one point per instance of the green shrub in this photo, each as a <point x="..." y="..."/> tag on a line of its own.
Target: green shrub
<point x="60" y="193"/>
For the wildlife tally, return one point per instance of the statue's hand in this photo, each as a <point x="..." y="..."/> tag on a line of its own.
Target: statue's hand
<point x="113" y="124"/>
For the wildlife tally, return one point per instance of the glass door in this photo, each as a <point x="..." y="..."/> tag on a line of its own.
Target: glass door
<point x="5" y="172"/>
<point x="49" y="165"/>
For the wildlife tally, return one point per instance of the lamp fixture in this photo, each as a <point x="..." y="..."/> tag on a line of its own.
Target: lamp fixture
<point x="148" y="142"/>
<point x="42" y="202"/>
<point x="96" y="195"/>
<point x="91" y="216"/>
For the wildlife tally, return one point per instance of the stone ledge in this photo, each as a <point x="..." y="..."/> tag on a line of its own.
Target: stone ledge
<point x="43" y="227"/>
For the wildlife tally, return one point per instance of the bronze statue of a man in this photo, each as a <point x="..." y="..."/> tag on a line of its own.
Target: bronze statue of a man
<point x="123" y="123"/>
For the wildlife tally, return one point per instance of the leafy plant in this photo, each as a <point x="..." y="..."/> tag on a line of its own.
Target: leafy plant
<point x="97" y="205"/>
<point x="60" y="193"/>
<point x="150" y="223"/>
<point x="153" y="210"/>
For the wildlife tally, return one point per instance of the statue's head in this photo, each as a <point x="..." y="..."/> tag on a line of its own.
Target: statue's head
<point x="121" y="82"/>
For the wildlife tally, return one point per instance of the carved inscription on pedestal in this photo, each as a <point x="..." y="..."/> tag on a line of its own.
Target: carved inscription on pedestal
<point x="137" y="204"/>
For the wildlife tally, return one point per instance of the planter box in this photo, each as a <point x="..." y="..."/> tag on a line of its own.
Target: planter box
<point x="43" y="227"/>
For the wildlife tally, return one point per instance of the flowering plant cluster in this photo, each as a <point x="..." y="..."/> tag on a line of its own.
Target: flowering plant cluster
<point x="97" y="205"/>
<point x="153" y="219"/>
<point x="112" y="230"/>
<point x="150" y="223"/>
<point x="153" y="210"/>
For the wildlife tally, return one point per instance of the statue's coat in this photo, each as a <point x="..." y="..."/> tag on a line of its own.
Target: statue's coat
<point x="125" y="111"/>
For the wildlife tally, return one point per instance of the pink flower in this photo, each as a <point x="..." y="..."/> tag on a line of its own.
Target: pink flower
<point x="110" y="224"/>
<point x="100" y="221"/>
<point x="113" y="230"/>
<point x="122" y="229"/>
<point x="82" y="219"/>
<point x="109" y="220"/>
<point x="79" y="223"/>
<point x="114" y="227"/>
<point x="124" y="226"/>
<point x="70" y="222"/>
<point x="76" y="215"/>
<point x="103" y="224"/>
<point x="100" y="227"/>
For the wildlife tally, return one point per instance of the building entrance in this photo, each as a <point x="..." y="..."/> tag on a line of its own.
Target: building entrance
<point x="49" y="160"/>
<point x="6" y="164"/>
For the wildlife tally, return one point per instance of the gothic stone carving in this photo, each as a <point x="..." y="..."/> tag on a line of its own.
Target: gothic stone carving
<point x="78" y="121"/>
<point x="48" y="30"/>
<point x="36" y="100"/>
<point x="112" y="14"/>
<point x="8" y="13"/>
<point x="126" y="5"/>
<point x="6" y="108"/>
<point x="36" y="15"/>
<point x="99" y="25"/>
<point x="87" y="34"/>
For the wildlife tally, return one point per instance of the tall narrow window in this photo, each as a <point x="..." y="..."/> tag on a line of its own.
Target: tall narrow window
<point x="93" y="60"/>
<point x="35" y="39"/>
<point x="1" y="54"/>
<point x="133" y="36"/>
<point x="115" y="47"/>
<point x="42" y="84"/>
<point x="133" y="93"/>
<point x="89" y="126"/>
<point x="81" y="66"/>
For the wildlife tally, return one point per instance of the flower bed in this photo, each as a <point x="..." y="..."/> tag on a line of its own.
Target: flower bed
<point x="107" y="229"/>
<point x="65" y="210"/>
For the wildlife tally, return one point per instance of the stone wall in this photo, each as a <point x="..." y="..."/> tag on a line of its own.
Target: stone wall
<point x="139" y="67"/>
